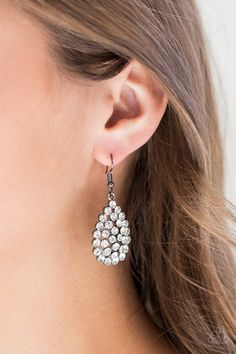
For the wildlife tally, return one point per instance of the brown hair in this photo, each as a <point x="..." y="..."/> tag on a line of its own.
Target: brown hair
<point x="182" y="226"/>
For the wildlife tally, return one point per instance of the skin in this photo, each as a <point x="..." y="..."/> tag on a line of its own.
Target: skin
<point x="54" y="146"/>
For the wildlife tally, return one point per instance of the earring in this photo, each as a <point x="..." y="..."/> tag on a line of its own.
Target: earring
<point x="111" y="236"/>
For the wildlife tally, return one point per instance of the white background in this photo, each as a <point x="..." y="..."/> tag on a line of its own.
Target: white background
<point x="219" y="19"/>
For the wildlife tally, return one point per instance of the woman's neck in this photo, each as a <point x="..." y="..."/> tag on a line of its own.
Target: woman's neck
<point x="55" y="298"/>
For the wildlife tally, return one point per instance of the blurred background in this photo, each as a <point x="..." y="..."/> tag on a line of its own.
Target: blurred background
<point x="219" y="19"/>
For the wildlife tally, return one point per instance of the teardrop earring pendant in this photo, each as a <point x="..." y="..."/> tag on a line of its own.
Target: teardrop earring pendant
<point x="111" y="236"/>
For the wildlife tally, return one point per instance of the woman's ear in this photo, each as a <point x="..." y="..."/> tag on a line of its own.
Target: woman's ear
<point x="138" y="105"/>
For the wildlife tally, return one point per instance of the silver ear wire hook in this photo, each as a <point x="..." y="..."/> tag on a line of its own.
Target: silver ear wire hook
<point x="112" y="165"/>
<point x="110" y="182"/>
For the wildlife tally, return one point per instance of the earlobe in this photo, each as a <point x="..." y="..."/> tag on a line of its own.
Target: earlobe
<point x="135" y="116"/>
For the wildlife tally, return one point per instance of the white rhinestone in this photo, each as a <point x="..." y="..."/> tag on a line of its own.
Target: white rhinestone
<point x="114" y="216"/>
<point x="104" y="243"/>
<point x="96" y="234"/>
<point x="112" y="239"/>
<point x="107" y="261"/>
<point x="122" y="216"/>
<point x="101" y="258"/>
<point x="105" y="233"/>
<point x="99" y="226"/>
<point x="125" y="223"/>
<point x="114" y="255"/>
<point x="114" y="230"/>
<point x="119" y="237"/>
<point x="115" y="246"/>
<point x="123" y="239"/>
<point x="102" y="217"/>
<point x="96" y="242"/>
<point x="119" y="223"/>
<point x="114" y="261"/>
<point x="125" y="231"/>
<point x="97" y="251"/>
<point x="122" y="256"/>
<point x="108" y="224"/>
<point x="107" y="210"/>
<point x="107" y="252"/>
<point x="122" y="230"/>
<point x="122" y="250"/>
<point x="126" y="240"/>
<point x="117" y="209"/>
<point x="126" y="248"/>
<point x="112" y="204"/>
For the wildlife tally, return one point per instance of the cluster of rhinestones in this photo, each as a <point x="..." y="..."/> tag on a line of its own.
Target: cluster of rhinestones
<point x="111" y="237"/>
